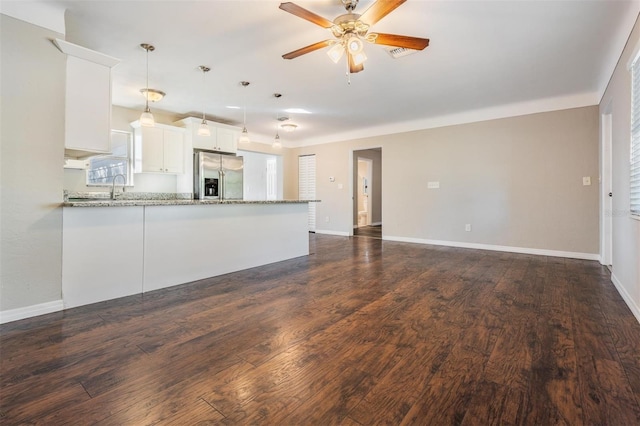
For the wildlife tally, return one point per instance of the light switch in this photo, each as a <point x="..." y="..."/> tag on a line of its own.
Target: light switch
<point x="586" y="181"/>
<point x="433" y="185"/>
<point x="339" y="186"/>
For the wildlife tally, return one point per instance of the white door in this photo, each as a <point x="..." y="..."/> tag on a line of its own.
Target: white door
<point x="307" y="185"/>
<point x="606" y="185"/>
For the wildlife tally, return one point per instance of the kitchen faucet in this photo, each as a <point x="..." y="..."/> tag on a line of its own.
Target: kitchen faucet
<point x="113" y="185"/>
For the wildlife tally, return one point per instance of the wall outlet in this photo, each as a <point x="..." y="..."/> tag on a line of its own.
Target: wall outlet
<point x="467" y="227"/>
<point x="586" y="181"/>
<point x="326" y="219"/>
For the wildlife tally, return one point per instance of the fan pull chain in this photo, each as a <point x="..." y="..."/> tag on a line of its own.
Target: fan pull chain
<point x="348" y="73"/>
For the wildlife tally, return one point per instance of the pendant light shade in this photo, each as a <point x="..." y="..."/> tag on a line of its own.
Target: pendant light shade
<point x="146" y="119"/>
<point x="336" y="52"/>
<point x="276" y="142"/>
<point x="244" y="136"/>
<point x="203" y="130"/>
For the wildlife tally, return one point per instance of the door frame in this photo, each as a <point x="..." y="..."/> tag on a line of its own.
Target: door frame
<point x="369" y="176"/>
<point x="352" y="171"/>
<point x="606" y="186"/>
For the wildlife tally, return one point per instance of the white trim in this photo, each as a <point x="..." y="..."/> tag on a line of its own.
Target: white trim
<point x="338" y="233"/>
<point x="635" y="309"/>
<point x="86" y="54"/>
<point x="523" y="250"/>
<point x="376" y="223"/>
<point x="634" y="56"/>
<point x="37" y="13"/>
<point x="30" y="311"/>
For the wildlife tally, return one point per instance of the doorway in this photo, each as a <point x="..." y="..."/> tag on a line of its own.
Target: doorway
<point x="363" y="190"/>
<point x="367" y="192"/>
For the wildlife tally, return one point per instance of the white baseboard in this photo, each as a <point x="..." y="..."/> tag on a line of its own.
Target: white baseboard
<point x="30" y="311"/>
<point x="635" y="309"/>
<point x="376" y="223"/>
<point x="339" y="233"/>
<point x="523" y="250"/>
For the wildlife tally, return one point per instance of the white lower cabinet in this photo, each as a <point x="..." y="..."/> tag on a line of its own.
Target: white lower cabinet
<point x="102" y="253"/>
<point x="158" y="149"/>
<point x="111" y="252"/>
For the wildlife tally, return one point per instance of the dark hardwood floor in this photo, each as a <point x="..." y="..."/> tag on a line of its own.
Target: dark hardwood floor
<point x="371" y="231"/>
<point x="363" y="331"/>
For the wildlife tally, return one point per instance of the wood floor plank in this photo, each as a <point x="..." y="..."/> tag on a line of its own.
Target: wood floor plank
<point x="495" y="404"/>
<point x="446" y="395"/>
<point x="362" y="331"/>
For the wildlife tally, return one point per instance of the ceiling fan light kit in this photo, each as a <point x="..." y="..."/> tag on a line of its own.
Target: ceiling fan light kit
<point x="350" y="30"/>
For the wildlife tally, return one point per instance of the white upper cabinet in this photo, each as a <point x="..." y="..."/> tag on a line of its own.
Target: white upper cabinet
<point x="158" y="149"/>
<point x="87" y="101"/>
<point x="227" y="139"/>
<point x="223" y="137"/>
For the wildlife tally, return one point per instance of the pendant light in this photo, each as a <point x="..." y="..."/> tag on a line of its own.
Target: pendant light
<point x="203" y="130"/>
<point x="244" y="136"/>
<point x="276" y="141"/>
<point x="146" y="119"/>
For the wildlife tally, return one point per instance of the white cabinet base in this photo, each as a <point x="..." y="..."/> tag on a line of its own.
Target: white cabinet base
<point x="111" y="252"/>
<point x="101" y="254"/>
<point x="189" y="243"/>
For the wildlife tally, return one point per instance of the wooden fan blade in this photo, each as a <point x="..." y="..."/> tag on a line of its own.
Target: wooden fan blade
<point x="379" y="10"/>
<point x="414" y="43"/>
<point x="353" y="68"/>
<point x="306" y="14"/>
<point x="307" y="49"/>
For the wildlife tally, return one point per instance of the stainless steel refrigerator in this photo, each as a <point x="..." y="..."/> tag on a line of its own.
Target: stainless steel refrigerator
<point x="217" y="176"/>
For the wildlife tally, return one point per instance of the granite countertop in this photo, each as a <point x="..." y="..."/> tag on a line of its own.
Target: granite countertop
<point x="103" y="199"/>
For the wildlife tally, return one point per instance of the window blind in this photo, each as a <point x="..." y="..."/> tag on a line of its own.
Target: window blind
<point x="307" y="185"/>
<point x="634" y="184"/>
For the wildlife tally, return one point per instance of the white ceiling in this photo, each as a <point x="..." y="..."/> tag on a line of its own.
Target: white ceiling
<point x="484" y="55"/>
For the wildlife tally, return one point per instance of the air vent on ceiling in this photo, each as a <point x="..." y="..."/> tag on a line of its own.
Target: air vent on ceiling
<point x="398" y="52"/>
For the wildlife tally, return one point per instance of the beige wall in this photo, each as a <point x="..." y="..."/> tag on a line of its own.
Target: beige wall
<point x="31" y="158"/>
<point x="626" y="230"/>
<point x="517" y="181"/>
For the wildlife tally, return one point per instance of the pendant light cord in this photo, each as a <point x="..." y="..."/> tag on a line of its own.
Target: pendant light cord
<point x="147" y="94"/>
<point x="244" y="109"/>
<point x="204" y="87"/>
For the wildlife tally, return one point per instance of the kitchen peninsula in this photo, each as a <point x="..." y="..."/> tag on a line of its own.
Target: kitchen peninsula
<point x="116" y="248"/>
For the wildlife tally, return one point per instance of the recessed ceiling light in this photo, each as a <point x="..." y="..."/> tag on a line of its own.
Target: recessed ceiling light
<point x="297" y="111"/>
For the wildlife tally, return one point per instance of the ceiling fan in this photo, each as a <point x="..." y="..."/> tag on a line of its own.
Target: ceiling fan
<point x="350" y="29"/>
